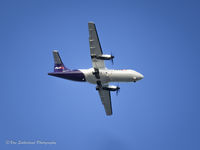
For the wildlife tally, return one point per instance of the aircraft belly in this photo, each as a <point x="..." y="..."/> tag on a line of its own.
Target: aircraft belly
<point x="107" y="76"/>
<point x="91" y="78"/>
<point x="117" y="76"/>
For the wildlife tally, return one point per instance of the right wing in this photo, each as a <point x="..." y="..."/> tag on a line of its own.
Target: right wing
<point x="106" y="101"/>
<point x="95" y="46"/>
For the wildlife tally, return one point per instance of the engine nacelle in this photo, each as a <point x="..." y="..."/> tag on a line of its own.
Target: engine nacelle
<point x="109" y="88"/>
<point x="103" y="57"/>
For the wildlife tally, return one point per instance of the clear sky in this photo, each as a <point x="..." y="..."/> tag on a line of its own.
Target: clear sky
<point x="160" y="39"/>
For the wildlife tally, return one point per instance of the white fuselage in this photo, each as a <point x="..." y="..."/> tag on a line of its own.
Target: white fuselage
<point x="107" y="75"/>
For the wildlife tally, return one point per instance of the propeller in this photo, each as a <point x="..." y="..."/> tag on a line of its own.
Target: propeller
<point x="118" y="89"/>
<point x="112" y="57"/>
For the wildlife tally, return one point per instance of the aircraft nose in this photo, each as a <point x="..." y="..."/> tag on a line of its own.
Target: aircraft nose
<point x="140" y="76"/>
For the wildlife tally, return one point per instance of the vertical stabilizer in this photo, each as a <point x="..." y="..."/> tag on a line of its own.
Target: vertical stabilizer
<point x="58" y="64"/>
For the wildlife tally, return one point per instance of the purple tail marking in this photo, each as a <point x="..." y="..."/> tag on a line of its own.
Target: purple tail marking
<point x="58" y="64"/>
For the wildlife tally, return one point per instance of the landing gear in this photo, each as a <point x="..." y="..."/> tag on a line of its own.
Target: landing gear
<point x="96" y="73"/>
<point x="134" y="79"/>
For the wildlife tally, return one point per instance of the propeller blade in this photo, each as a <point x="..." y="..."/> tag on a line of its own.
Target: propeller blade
<point x="117" y="91"/>
<point x="112" y="59"/>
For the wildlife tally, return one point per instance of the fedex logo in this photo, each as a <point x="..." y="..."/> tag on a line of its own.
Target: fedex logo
<point x="61" y="67"/>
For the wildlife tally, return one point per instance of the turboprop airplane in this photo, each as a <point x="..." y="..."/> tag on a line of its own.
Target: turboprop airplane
<point x="98" y="74"/>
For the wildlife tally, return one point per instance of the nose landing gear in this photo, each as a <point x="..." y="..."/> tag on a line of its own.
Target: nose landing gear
<point x="134" y="79"/>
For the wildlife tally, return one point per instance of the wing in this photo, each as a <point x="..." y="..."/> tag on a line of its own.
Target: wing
<point x="95" y="46"/>
<point x="106" y="101"/>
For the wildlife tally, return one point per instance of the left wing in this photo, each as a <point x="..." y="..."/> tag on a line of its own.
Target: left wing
<point x="106" y="101"/>
<point x="95" y="47"/>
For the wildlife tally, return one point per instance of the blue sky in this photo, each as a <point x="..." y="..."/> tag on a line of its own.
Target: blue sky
<point x="160" y="39"/>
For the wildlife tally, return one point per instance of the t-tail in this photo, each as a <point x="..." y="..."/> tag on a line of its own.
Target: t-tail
<point x="58" y="64"/>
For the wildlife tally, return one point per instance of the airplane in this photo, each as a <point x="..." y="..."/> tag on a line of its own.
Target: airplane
<point x="98" y="74"/>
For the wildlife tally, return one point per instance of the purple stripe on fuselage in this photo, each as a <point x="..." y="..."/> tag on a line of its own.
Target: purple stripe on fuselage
<point x="75" y="75"/>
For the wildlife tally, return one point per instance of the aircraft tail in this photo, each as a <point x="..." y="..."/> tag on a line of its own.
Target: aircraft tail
<point x="58" y="64"/>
